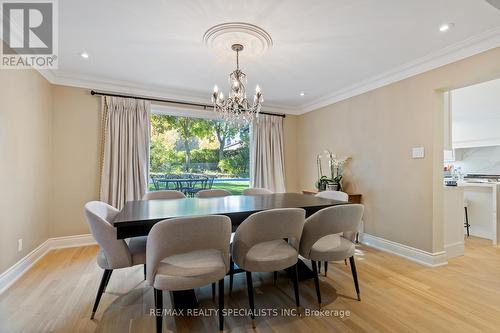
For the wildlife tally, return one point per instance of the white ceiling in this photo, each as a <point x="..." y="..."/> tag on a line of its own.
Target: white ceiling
<point x="480" y="101"/>
<point x="330" y="49"/>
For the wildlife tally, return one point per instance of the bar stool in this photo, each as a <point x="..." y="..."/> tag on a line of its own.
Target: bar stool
<point x="466" y="223"/>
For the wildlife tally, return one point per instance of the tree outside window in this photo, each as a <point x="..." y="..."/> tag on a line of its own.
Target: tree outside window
<point x="194" y="146"/>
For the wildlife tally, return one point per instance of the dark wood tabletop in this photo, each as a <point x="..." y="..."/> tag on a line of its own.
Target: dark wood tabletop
<point x="138" y="217"/>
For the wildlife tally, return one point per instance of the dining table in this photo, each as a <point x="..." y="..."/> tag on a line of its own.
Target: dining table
<point x="137" y="218"/>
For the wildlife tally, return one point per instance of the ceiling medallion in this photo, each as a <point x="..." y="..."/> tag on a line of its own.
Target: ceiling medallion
<point x="222" y="37"/>
<point x="236" y="37"/>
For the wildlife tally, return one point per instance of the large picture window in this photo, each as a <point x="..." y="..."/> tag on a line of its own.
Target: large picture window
<point x="189" y="154"/>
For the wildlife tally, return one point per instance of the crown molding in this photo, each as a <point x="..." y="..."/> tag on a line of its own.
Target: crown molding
<point x="124" y="87"/>
<point x="480" y="43"/>
<point x="48" y="74"/>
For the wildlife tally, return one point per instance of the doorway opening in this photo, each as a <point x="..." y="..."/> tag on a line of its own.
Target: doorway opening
<point x="471" y="170"/>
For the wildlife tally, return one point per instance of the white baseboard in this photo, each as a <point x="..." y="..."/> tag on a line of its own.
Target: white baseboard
<point x="13" y="273"/>
<point x="71" y="241"/>
<point x="419" y="256"/>
<point x="482" y="232"/>
<point x="454" y="250"/>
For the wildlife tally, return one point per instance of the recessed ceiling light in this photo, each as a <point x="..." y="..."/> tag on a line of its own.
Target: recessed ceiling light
<point x="302" y="94"/>
<point x="445" y="27"/>
<point x="84" y="55"/>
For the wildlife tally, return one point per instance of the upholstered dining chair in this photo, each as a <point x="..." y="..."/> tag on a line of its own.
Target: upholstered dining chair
<point x="113" y="253"/>
<point x="186" y="253"/>
<point x="213" y="193"/>
<point x="256" y="191"/>
<point x="321" y="239"/>
<point x="165" y="194"/>
<point x="334" y="195"/>
<point x="339" y="196"/>
<point x="259" y="245"/>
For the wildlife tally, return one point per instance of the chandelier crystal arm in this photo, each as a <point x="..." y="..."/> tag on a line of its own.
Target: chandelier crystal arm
<point x="236" y="109"/>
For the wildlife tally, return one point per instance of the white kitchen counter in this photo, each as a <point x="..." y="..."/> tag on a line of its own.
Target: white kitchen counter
<point x="483" y="212"/>
<point x="473" y="184"/>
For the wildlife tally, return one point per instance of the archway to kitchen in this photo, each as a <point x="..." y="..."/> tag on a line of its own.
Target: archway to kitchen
<point x="471" y="168"/>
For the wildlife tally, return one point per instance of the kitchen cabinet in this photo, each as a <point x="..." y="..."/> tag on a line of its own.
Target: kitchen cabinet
<point x="476" y="133"/>
<point x="472" y="116"/>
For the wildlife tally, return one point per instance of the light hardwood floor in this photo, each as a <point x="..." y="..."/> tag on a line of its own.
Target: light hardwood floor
<point x="397" y="296"/>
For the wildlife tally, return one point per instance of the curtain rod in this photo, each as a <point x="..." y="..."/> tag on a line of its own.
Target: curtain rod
<point x="152" y="99"/>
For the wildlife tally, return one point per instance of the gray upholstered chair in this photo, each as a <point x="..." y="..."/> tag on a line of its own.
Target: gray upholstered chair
<point x="186" y="253"/>
<point x="256" y="191"/>
<point x="321" y="239"/>
<point x="259" y="245"/>
<point x="339" y="196"/>
<point x="165" y="194"/>
<point x="113" y="253"/>
<point x="213" y="193"/>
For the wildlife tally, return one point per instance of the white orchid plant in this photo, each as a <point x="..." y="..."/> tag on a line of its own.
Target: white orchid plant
<point x="336" y="166"/>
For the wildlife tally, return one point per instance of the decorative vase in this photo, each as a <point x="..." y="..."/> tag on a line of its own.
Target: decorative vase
<point x="332" y="187"/>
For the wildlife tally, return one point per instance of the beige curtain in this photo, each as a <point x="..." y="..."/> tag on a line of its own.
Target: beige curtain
<point x="267" y="156"/>
<point x="125" y="150"/>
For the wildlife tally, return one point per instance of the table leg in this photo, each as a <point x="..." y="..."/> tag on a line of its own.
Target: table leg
<point x="184" y="299"/>
<point x="303" y="271"/>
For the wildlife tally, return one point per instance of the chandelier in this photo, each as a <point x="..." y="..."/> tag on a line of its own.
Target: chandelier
<point x="236" y="109"/>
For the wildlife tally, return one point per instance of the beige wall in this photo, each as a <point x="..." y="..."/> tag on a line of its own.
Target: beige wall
<point x="25" y="152"/>
<point x="76" y="150"/>
<point x="378" y="129"/>
<point x="49" y="143"/>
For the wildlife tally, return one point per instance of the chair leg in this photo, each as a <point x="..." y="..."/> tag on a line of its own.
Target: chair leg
<point x="319" y="267"/>
<point x="345" y="262"/>
<point x="104" y="280"/>
<point x="159" y="309"/>
<point x="107" y="280"/>
<point x="221" y="304"/>
<point x="467" y="225"/>
<point x="355" y="276"/>
<point x="250" y="297"/>
<point x="295" y="277"/>
<point x="316" y="282"/>
<point x="275" y="277"/>
<point x="326" y="268"/>
<point x="144" y="271"/>
<point x="213" y="292"/>
<point x="231" y="275"/>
